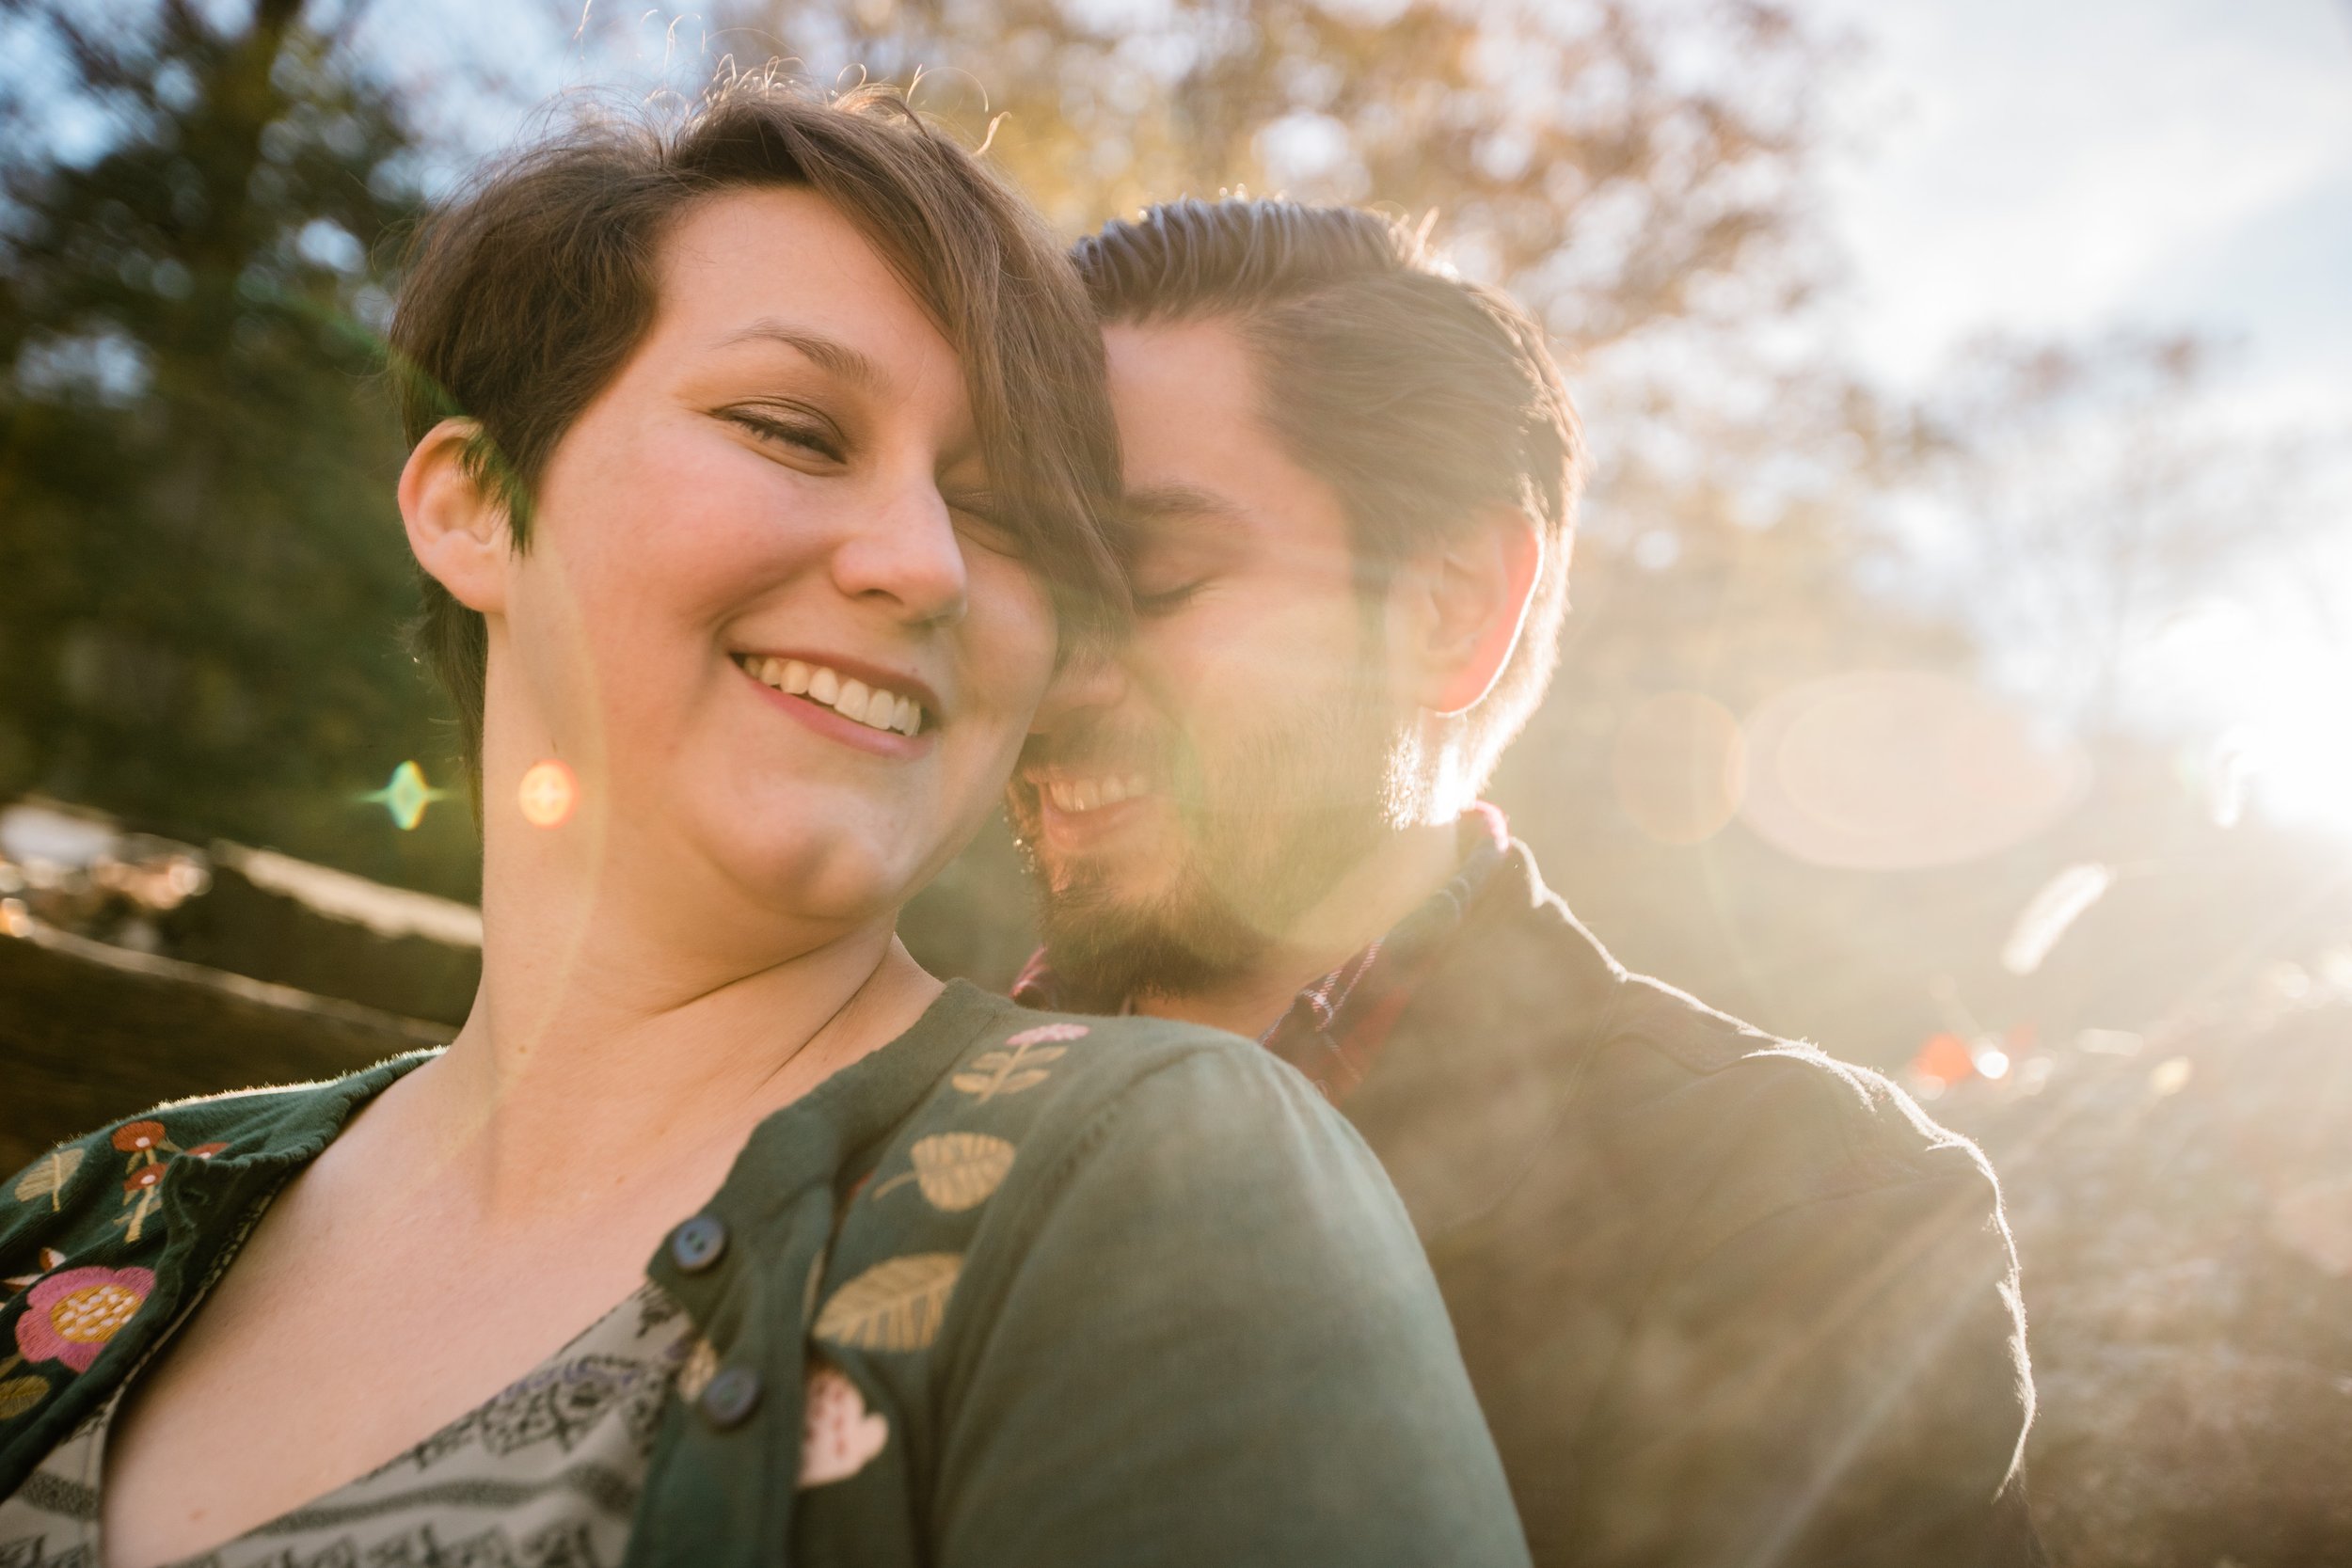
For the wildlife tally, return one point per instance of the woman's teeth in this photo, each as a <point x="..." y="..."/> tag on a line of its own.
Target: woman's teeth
<point x="852" y="699"/>
<point x="1088" y="794"/>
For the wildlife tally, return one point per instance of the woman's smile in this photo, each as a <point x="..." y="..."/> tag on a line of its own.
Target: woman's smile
<point x="882" y="713"/>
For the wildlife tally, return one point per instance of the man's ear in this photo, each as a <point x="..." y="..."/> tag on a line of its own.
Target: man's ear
<point x="458" y="526"/>
<point x="1473" y="594"/>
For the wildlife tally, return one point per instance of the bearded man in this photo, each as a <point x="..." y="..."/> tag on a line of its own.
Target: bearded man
<point x="1725" y="1299"/>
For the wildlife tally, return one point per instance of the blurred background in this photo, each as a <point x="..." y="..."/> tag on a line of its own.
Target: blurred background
<point x="1960" y="674"/>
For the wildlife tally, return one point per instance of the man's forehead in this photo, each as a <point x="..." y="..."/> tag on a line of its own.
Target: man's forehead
<point x="1202" y="462"/>
<point x="1206" y="357"/>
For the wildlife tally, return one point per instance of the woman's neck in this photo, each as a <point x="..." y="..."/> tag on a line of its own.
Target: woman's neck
<point x="643" y="1030"/>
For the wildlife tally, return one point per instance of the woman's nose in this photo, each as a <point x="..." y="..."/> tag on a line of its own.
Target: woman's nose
<point x="902" y="551"/>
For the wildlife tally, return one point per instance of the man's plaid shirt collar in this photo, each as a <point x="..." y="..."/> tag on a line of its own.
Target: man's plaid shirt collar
<point x="1336" y="1024"/>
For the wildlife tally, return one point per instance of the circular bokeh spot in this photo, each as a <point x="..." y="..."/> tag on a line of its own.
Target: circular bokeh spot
<point x="1891" y="770"/>
<point x="546" y="793"/>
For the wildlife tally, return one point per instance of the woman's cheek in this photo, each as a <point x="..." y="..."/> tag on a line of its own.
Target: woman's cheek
<point x="1010" y="655"/>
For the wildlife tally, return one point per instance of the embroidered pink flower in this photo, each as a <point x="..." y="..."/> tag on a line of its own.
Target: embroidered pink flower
<point x="133" y="1136"/>
<point x="1045" y="1032"/>
<point x="70" y="1315"/>
<point x="838" y="1434"/>
<point x="143" y="1178"/>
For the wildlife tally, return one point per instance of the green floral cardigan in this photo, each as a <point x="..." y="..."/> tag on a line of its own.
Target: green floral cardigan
<point x="1012" y="1291"/>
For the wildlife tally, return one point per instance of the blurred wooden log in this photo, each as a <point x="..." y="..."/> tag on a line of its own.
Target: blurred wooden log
<point x="330" y="934"/>
<point x="91" y="1033"/>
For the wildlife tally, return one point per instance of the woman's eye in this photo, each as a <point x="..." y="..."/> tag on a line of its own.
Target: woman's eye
<point x="1168" y="601"/>
<point x="805" y="435"/>
<point x="977" y="521"/>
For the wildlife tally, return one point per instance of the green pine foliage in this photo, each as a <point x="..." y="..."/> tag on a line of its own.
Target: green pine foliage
<point x="203" y="576"/>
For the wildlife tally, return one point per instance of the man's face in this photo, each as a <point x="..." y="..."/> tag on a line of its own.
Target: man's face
<point x="1186" y="800"/>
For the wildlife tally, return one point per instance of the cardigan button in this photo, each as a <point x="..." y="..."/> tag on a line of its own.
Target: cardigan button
<point x="731" y="1396"/>
<point x="698" y="1243"/>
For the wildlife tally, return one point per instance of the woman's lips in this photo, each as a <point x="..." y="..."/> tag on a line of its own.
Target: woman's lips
<point x="859" y="691"/>
<point x="836" y="726"/>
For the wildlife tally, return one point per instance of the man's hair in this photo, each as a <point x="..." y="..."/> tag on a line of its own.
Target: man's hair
<point x="524" y="297"/>
<point x="1420" y="398"/>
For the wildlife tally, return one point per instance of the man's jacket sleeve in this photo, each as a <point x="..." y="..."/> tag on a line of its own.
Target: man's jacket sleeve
<point x="1841" y="1380"/>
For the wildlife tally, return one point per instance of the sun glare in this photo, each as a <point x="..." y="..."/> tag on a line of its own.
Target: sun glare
<point x="2274" y="694"/>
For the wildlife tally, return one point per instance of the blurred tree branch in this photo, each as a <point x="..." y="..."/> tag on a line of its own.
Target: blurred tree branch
<point x="1613" y="165"/>
<point x="2085" y="494"/>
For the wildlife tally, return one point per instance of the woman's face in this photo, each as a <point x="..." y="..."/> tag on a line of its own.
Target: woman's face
<point x="775" y="515"/>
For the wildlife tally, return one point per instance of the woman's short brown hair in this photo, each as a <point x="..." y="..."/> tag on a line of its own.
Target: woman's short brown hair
<point x="523" y="297"/>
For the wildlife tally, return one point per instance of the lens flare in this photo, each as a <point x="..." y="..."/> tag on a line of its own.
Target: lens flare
<point x="2048" y="914"/>
<point x="546" y="793"/>
<point x="1943" y="1061"/>
<point x="1900" y="770"/>
<point x="405" y="796"/>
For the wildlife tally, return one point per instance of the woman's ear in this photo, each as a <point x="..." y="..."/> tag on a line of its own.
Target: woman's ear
<point x="1473" y="594"/>
<point x="457" y="526"/>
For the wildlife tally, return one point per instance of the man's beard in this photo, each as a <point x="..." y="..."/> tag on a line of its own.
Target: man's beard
<point x="1266" y="830"/>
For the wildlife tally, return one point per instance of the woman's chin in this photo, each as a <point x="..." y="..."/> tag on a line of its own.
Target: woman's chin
<point x="837" y="880"/>
<point x="824" y="855"/>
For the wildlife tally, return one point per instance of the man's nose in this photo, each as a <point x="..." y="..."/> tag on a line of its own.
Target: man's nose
<point x="901" y="551"/>
<point x="1091" y="679"/>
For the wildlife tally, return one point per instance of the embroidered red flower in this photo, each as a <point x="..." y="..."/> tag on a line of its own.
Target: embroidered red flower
<point x="133" y="1136"/>
<point x="70" y="1316"/>
<point x="147" y="1144"/>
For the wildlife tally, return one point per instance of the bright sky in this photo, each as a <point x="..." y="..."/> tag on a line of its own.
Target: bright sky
<point x="2064" y="169"/>
<point x="2067" y="167"/>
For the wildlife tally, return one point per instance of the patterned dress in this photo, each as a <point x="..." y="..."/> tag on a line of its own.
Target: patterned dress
<point x="544" y="1474"/>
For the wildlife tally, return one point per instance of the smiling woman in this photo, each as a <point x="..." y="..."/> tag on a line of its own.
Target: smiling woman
<point x="757" y="479"/>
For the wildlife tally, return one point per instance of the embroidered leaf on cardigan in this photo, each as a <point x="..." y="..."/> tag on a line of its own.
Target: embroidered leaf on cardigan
<point x="955" y="1170"/>
<point x="895" y="1305"/>
<point x="48" y="1177"/>
<point x="19" y="1394"/>
<point x="1008" y="1071"/>
<point x="1045" y="1032"/>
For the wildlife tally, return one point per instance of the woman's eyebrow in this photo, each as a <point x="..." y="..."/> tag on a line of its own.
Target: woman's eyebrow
<point x="828" y="353"/>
